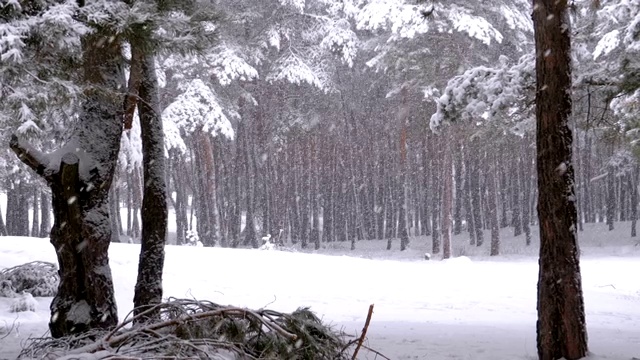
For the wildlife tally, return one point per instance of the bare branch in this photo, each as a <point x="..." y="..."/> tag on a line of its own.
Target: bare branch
<point x="32" y="157"/>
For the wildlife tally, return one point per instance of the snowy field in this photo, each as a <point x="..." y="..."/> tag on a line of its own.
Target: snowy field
<point x="469" y="307"/>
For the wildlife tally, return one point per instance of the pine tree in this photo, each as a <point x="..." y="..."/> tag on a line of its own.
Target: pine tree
<point x="561" y="326"/>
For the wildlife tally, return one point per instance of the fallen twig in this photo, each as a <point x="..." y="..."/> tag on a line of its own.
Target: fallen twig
<point x="364" y="332"/>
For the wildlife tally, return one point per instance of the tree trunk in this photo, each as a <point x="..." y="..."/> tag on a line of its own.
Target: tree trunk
<point x="113" y="214"/>
<point x="611" y="197"/>
<point x="516" y="190"/>
<point x="45" y="216"/>
<point x="82" y="233"/>
<point x="525" y="175"/>
<point x="633" y="183"/>
<point x="459" y="198"/>
<point x="475" y="199"/>
<point x="492" y="198"/>
<point x="3" y="228"/>
<point x="561" y="330"/>
<point x="35" y="226"/>
<point x="447" y="198"/>
<point x="148" y="289"/>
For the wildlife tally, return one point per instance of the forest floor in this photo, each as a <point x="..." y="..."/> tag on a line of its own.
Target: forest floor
<point x="470" y="307"/>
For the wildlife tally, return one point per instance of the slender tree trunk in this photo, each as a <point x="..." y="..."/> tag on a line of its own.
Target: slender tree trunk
<point x="516" y="191"/>
<point x="525" y="175"/>
<point x="492" y="198"/>
<point x="148" y="289"/>
<point x="447" y="198"/>
<point x="113" y="214"/>
<point x="3" y="228"/>
<point x="475" y="199"/>
<point x="561" y="325"/>
<point x="459" y="197"/>
<point x="633" y="183"/>
<point x="611" y="197"/>
<point x="435" y="204"/>
<point x="35" y="225"/>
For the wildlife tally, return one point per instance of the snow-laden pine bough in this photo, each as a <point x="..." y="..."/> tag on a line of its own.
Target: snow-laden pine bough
<point x="192" y="329"/>
<point x="38" y="278"/>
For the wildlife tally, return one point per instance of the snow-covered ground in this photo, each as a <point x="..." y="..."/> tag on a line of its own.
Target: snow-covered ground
<point x="469" y="307"/>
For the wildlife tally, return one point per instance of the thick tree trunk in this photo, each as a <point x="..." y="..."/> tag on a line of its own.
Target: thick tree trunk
<point x="561" y="329"/>
<point x="148" y="289"/>
<point x="80" y="185"/>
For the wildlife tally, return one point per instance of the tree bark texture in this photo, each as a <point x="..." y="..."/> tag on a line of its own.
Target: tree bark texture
<point x="80" y="175"/>
<point x="561" y="330"/>
<point x="148" y="289"/>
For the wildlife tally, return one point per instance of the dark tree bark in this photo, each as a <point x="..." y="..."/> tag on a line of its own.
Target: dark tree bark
<point x="447" y="198"/>
<point x="82" y="233"/>
<point x="561" y="330"/>
<point x="17" y="210"/>
<point x="113" y="214"/>
<point x="45" y="219"/>
<point x="459" y="197"/>
<point x="611" y="197"/>
<point x="35" y="226"/>
<point x="516" y="190"/>
<point x="475" y="199"/>
<point x="525" y="175"/>
<point x="436" y="199"/>
<point x="492" y="198"/>
<point x="623" y="197"/>
<point x="3" y="228"/>
<point x="633" y="183"/>
<point x="148" y="289"/>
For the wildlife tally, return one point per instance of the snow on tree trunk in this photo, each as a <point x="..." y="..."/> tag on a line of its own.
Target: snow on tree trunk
<point x="148" y="290"/>
<point x="561" y="329"/>
<point x="80" y="175"/>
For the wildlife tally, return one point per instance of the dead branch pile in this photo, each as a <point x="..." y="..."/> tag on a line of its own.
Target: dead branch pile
<point x="190" y="329"/>
<point x="38" y="278"/>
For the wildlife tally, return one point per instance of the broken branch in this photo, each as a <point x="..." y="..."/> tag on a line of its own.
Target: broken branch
<point x="32" y="157"/>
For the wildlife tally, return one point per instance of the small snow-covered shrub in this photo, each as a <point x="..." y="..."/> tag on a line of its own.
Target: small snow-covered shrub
<point x="37" y="278"/>
<point x="267" y="245"/>
<point x="25" y="302"/>
<point x="192" y="238"/>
